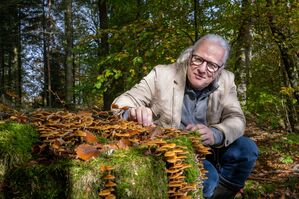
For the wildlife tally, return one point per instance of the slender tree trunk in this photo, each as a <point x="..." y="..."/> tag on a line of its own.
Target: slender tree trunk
<point x="1" y="68"/>
<point x="9" y="69"/>
<point x="19" y="61"/>
<point x="196" y="6"/>
<point x="46" y="54"/>
<point x="103" y="14"/>
<point x="243" y="52"/>
<point x="69" y="54"/>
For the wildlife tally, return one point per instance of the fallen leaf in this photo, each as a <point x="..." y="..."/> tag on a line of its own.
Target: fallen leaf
<point x="86" y="151"/>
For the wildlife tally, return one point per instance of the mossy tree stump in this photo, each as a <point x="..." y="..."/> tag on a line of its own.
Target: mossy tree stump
<point x="139" y="172"/>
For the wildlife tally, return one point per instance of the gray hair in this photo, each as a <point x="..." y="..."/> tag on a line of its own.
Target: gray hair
<point x="186" y="54"/>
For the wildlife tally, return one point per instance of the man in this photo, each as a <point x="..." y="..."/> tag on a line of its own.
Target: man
<point x="197" y="94"/>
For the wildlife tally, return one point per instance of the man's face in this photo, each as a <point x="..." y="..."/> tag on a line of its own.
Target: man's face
<point x="206" y="59"/>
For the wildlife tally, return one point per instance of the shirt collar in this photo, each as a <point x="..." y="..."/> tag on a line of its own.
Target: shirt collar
<point x="203" y="92"/>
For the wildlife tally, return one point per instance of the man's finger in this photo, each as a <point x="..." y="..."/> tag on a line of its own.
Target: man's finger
<point x="139" y="115"/>
<point x="189" y="127"/>
<point x="132" y="114"/>
<point x="144" y="116"/>
<point x="149" y="116"/>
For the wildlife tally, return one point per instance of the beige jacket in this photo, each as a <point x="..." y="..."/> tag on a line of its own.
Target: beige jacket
<point x="162" y="90"/>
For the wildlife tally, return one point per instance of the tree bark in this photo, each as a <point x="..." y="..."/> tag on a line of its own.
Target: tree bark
<point x="103" y="15"/>
<point x="196" y="6"/>
<point x="47" y="97"/>
<point x="19" y="61"/>
<point x="69" y="54"/>
<point x="243" y="52"/>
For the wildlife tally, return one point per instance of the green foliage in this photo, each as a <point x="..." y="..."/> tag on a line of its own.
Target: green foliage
<point x="286" y="159"/>
<point x="268" y="108"/>
<point x="289" y="92"/>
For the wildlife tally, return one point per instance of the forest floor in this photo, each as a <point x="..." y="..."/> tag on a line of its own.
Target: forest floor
<point x="276" y="173"/>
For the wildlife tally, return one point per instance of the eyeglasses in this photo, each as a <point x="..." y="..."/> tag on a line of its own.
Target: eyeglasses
<point x="198" y="61"/>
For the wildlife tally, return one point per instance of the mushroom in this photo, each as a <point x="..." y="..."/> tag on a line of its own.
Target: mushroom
<point x="172" y="170"/>
<point x="176" y="175"/>
<point x="104" y="192"/>
<point x="110" y="184"/>
<point x="121" y="134"/>
<point x="169" y="145"/>
<point x="109" y="177"/>
<point x="175" y="184"/>
<point x="172" y="159"/>
<point x="110" y="196"/>
<point x="170" y="154"/>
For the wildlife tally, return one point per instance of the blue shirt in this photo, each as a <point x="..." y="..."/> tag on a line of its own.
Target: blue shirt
<point x="194" y="110"/>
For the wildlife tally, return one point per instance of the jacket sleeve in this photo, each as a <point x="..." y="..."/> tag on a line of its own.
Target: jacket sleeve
<point x="232" y="120"/>
<point x="139" y="95"/>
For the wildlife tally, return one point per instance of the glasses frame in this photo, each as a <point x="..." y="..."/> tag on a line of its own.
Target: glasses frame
<point x="211" y="66"/>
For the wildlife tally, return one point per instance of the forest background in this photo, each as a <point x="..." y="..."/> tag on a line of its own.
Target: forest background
<point x="83" y="53"/>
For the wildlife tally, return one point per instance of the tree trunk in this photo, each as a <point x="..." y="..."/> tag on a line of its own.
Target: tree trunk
<point x="103" y="14"/>
<point x="196" y="6"/>
<point x="243" y="52"/>
<point x="19" y="61"/>
<point x="47" y="98"/>
<point x="69" y="54"/>
<point x="1" y="68"/>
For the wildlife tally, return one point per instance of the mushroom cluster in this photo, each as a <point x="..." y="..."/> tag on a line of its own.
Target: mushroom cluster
<point x="108" y="191"/>
<point x="201" y="152"/>
<point x="75" y="135"/>
<point x="174" y="156"/>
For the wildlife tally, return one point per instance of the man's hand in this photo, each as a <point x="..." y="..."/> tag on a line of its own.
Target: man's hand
<point x="142" y="115"/>
<point x="205" y="133"/>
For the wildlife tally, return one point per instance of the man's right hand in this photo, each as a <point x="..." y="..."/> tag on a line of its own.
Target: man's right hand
<point x="142" y="115"/>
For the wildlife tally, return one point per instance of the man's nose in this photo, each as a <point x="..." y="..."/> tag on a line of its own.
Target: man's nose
<point x="202" y="67"/>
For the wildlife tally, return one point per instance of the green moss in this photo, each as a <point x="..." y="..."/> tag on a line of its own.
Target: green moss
<point x="139" y="175"/>
<point x="16" y="141"/>
<point x="38" y="181"/>
<point x="85" y="179"/>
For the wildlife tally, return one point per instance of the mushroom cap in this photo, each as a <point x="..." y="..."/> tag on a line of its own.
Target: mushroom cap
<point x="110" y="184"/>
<point x="176" y="175"/>
<point x="106" y="168"/>
<point x="172" y="159"/>
<point x="175" y="184"/>
<point x="110" y="196"/>
<point x="168" y="146"/>
<point x="180" y="151"/>
<point x="172" y="170"/>
<point x="134" y="140"/>
<point x="170" y="154"/>
<point x="109" y="177"/>
<point x="104" y="192"/>
<point x="121" y="134"/>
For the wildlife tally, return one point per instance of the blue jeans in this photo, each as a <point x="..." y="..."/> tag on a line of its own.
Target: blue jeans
<point x="231" y="165"/>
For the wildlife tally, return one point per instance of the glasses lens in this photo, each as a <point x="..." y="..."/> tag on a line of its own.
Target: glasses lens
<point x="212" y="67"/>
<point x="196" y="60"/>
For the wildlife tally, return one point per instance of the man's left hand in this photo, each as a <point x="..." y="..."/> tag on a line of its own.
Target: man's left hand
<point x="205" y="133"/>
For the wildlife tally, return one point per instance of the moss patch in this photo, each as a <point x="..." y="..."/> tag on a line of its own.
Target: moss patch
<point x="139" y="175"/>
<point x="16" y="141"/>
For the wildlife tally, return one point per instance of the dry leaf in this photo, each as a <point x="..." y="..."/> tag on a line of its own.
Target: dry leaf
<point x="86" y="151"/>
